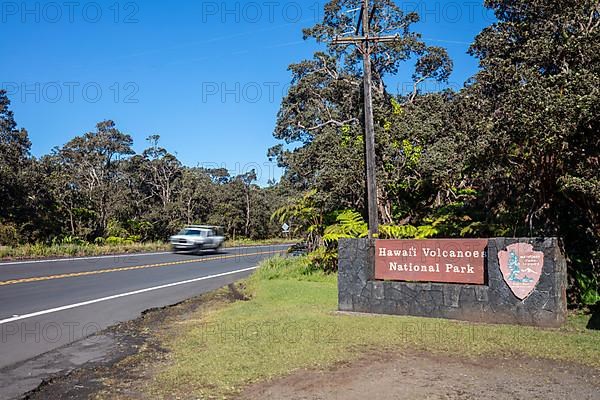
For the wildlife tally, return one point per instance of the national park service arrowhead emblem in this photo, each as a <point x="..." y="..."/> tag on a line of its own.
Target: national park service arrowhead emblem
<point x="521" y="267"/>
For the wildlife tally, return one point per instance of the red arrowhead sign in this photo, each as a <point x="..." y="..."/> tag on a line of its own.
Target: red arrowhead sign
<point x="521" y="267"/>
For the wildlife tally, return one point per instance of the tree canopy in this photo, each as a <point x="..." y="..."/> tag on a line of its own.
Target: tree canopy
<point x="516" y="152"/>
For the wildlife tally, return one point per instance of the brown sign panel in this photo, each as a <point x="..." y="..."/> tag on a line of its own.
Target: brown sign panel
<point x="436" y="260"/>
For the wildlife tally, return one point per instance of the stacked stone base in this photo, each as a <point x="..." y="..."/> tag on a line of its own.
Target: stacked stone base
<point x="493" y="302"/>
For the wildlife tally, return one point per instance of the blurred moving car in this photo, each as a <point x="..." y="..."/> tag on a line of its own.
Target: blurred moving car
<point x="195" y="238"/>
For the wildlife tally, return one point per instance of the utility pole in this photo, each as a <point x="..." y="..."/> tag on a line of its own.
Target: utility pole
<point x="364" y="45"/>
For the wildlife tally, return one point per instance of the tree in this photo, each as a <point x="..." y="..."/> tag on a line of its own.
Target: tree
<point x="160" y="169"/>
<point x="64" y="193"/>
<point x="305" y="215"/>
<point x="14" y="143"/>
<point x="92" y="164"/>
<point x="539" y="92"/>
<point x="14" y="158"/>
<point x="322" y="109"/>
<point x="195" y="195"/>
<point x="540" y="75"/>
<point x="246" y="180"/>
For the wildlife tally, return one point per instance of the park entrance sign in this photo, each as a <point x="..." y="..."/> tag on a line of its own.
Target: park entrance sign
<point x="499" y="280"/>
<point x="440" y="260"/>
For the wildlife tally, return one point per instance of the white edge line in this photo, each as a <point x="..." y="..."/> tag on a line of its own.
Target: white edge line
<point x="2" y="264"/>
<point x="118" y="296"/>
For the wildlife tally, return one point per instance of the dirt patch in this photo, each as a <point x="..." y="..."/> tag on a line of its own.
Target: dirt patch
<point x="433" y="377"/>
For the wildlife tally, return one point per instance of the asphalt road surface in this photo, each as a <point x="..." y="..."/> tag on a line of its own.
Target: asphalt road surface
<point x="47" y="304"/>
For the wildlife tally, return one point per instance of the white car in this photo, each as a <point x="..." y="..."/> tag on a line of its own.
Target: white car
<point x="195" y="238"/>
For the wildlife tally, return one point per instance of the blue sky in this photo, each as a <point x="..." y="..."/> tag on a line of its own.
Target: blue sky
<point x="208" y="76"/>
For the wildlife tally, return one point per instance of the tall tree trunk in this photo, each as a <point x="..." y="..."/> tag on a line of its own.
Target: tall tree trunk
<point x="385" y="206"/>
<point x="247" y="228"/>
<point x="71" y="221"/>
<point x="189" y="211"/>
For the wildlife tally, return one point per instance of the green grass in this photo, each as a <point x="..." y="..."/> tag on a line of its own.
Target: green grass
<point x="33" y="251"/>
<point x="291" y="323"/>
<point x="38" y="250"/>
<point x="289" y="268"/>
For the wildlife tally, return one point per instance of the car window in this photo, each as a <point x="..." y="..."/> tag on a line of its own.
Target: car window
<point x="192" y="232"/>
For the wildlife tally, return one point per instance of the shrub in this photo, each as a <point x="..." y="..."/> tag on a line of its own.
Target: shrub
<point x="297" y="268"/>
<point x="588" y="288"/>
<point x="9" y="236"/>
<point x="135" y="238"/>
<point x="73" y="240"/>
<point x="324" y="258"/>
<point x="117" y="241"/>
<point x="115" y="229"/>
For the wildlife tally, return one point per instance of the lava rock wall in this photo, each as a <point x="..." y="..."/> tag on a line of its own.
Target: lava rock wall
<point x="493" y="302"/>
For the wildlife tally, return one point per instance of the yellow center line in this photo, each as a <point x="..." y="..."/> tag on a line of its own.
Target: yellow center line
<point x="123" y="269"/>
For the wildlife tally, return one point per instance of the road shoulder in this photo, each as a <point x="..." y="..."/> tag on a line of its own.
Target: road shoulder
<point x="118" y="360"/>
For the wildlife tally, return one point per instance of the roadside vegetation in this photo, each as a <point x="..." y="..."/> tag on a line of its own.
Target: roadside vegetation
<point x="109" y="247"/>
<point x="33" y="251"/>
<point x="515" y="152"/>
<point x="290" y="322"/>
<point x="96" y="189"/>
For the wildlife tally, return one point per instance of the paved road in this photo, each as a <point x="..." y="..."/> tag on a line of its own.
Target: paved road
<point x="45" y="305"/>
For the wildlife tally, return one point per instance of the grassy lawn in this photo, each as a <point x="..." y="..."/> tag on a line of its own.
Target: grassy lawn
<point x="290" y="323"/>
<point x="34" y="251"/>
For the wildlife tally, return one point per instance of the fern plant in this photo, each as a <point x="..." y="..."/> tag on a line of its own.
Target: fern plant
<point x="350" y="224"/>
<point x="588" y="286"/>
<point x="397" y="231"/>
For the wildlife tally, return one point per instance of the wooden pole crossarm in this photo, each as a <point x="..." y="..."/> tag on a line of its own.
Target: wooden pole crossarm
<point x="360" y="39"/>
<point x="348" y="40"/>
<point x="394" y="38"/>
